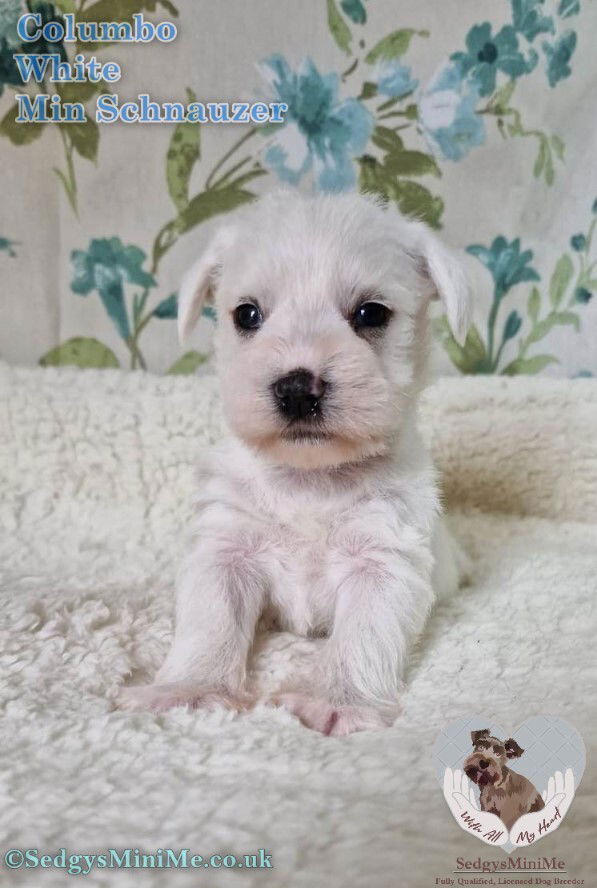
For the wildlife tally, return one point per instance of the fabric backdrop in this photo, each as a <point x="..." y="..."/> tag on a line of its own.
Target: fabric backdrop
<point x="477" y="116"/>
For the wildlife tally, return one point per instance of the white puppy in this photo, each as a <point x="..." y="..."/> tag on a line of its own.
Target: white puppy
<point x="322" y="507"/>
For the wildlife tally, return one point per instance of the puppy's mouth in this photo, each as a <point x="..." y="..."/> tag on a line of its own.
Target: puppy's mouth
<point x="305" y="436"/>
<point x="481" y="778"/>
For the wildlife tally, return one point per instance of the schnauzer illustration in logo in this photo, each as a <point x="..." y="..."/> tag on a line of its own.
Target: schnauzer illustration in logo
<point x="506" y="798"/>
<point x="503" y="791"/>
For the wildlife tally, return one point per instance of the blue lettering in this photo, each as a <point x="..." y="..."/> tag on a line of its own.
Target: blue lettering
<point x="30" y="110"/>
<point x="278" y="110"/>
<point x="166" y="32"/>
<point x="111" y="72"/>
<point x="35" y="18"/>
<point x="129" y="112"/>
<point x="33" y="65"/>
<point x="240" y="112"/>
<point x="218" y="112"/>
<point x="173" y="112"/>
<point x="259" y="112"/>
<point x="74" y="112"/>
<point x="106" y="108"/>
<point x="196" y="113"/>
<point x="150" y="111"/>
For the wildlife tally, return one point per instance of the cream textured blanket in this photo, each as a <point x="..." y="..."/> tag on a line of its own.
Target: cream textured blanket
<point x="96" y="476"/>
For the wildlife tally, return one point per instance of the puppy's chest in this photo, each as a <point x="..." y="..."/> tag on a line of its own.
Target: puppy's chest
<point x="301" y="586"/>
<point x="302" y="539"/>
<point x="306" y="525"/>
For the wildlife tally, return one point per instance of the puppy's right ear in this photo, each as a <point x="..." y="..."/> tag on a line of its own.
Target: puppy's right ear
<point x="478" y="735"/>
<point x="197" y="286"/>
<point x="513" y="750"/>
<point x="451" y="283"/>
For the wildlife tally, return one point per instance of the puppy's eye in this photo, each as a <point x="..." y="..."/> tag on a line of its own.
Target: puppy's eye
<point x="370" y="315"/>
<point x="247" y="316"/>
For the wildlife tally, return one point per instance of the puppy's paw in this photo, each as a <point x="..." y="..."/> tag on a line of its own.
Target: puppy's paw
<point x="333" y="721"/>
<point x="159" y="697"/>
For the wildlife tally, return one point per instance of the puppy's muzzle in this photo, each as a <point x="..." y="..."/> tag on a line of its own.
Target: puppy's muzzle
<point x="299" y="394"/>
<point x="480" y="771"/>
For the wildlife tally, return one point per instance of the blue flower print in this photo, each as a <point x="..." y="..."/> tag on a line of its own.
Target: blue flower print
<point x="528" y="18"/>
<point x="487" y="54"/>
<point x="10" y="10"/>
<point x="506" y="264"/>
<point x="447" y="114"/>
<point x="568" y="8"/>
<point x="321" y="132"/>
<point x="558" y="57"/>
<point x="393" y="79"/>
<point x="9" y="73"/>
<point x="105" y="267"/>
<point x="8" y="246"/>
<point x="355" y="11"/>
<point x="578" y="242"/>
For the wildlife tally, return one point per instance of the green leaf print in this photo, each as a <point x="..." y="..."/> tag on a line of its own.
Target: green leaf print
<point x="394" y="45"/>
<point x="81" y="352"/>
<point x="338" y="27"/>
<point x="183" y="154"/>
<point x="187" y="363"/>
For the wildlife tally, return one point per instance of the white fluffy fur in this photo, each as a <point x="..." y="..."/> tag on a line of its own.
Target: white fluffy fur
<point x="96" y="470"/>
<point x="337" y="535"/>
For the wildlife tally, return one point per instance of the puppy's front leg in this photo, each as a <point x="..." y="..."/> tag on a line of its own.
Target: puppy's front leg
<point x="384" y="593"/>
<point x="220" y="598"/>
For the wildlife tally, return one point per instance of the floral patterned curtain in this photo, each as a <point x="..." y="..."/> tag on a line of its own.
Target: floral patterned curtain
<point x="477" y="117"/>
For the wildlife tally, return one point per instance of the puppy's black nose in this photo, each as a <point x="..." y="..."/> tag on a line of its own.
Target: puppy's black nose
<point x="483" y="764"/>
<point x="298" y="394"/>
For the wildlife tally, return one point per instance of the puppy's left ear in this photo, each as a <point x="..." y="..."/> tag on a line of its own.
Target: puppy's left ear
<point x="449" y="281"/>
<point x="513" y="750"/>
<point x="198" y="284"/>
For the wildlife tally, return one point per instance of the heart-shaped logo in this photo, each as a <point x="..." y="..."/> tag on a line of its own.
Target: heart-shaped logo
<point x="509" y="788"/>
